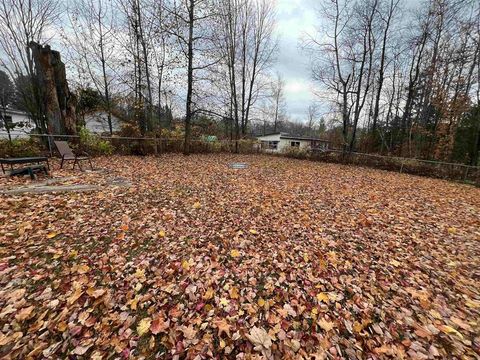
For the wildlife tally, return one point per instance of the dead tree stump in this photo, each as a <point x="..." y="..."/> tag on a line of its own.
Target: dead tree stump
<point x="59" y="103"/>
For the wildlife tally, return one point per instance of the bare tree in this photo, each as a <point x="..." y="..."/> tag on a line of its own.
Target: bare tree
<point x="313" y="117"/>
<point x="191" y="22"/>
<point x="246" y="43"/>
<point x="364" y="58"/>
<point x="387" y="18"/>
<point x="21" y="23"/>
<point x="93" y="26"/>
<point x="277" y="100"/>
<point x="331" y="66"/>
<point x="7" y="96"/>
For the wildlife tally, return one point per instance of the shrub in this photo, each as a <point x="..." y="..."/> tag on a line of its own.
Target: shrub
<point x="296" y="153"/>
<point x="20" y="147"/>
<point x="94" y="144"/>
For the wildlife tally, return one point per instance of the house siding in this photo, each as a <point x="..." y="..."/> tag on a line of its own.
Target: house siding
<point x="97" y="123"/>
<point x="19" y="118"/>
<point x="284" y="142"/>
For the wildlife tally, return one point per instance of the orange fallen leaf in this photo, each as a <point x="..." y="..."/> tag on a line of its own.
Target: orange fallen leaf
<point x="51" y="235"/>
<point x="159" y="325"/>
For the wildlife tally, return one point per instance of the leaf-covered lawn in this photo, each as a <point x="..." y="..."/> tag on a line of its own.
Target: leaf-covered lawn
<point x="284" y="259"/>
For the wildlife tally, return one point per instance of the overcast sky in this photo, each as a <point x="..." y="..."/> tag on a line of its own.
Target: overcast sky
<point x="295" y="18"/>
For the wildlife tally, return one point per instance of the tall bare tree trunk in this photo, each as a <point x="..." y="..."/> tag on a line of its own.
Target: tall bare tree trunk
<point x="381" y="75"/>
<point x="188" y="105"/>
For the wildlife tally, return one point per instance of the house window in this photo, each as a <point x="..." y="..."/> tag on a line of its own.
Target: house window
<point x="273" y="145"/>
<point x="7" y="121"/>
<point x="295" y="143"/>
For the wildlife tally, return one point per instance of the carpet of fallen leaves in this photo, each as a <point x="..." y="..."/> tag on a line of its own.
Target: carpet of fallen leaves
<point x="286" y="259"/>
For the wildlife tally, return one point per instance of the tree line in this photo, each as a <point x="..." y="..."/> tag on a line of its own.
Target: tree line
<point x="401" y="79"/>
<point x="143" y="56"/>
<point x="393" y="77"/>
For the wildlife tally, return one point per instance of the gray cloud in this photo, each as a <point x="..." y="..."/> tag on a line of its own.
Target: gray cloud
<point x="295" y="18"/>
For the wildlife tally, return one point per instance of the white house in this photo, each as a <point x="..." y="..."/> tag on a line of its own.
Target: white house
<point x="97" y="122"/>
<point x="281" y="142"/>
<point x="17" y="121"/>
<point x="21" y="124"/>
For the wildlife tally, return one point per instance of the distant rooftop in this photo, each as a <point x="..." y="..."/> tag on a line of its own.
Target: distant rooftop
<point x="293" y="137"/>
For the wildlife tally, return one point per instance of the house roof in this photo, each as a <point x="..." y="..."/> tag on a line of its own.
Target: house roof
<point x="272" y="133"/>
<point x="14" y="111"/>
<point x="293" y="137"/>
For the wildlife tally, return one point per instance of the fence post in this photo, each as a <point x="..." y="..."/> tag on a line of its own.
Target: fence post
<point x="49" y="141"/>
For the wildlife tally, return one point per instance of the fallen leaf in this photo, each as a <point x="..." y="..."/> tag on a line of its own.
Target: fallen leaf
<point x="323" y="297"/>
<point x="51" y="235"/>
<point x="325" y="325"/>
<point x="144" y="326"/>
<point x="159" y="325"/>
<point x="24" y="313"/>
<point x="261" y="340"/>
<point x="197" y="205"/>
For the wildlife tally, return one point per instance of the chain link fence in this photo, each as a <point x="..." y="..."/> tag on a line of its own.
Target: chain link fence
<point x="430" y="168"/>
<point x="37" y="144"/>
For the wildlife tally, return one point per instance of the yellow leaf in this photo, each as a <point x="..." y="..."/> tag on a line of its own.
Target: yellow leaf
<point x="395" y="263"/>
<point x="357" y="327"/>
<point x="325" y="325"/>
<point x="261" y="302"/>
<point x="473" y="304"/>
<point x="140" y="273"/>
<point x="322" y="297"/>
<point x="134" y="303"/>
<point x="82" y="269"/>
<point x="144" y="326"/>
<point x="197" y="205"/>
<point x="450" y="330"/>
<point x="161" y="233"/>
<point x="208" y="294"/>
<point x="234" y="253"/>
<point x="51" y="235"/>
<point x="233" y="292"/>
<point x="435" y="314"/>
<point x="186" y="265"/>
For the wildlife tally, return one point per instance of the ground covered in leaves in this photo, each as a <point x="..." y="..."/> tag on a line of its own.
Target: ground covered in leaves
<point x="286" y="259"/>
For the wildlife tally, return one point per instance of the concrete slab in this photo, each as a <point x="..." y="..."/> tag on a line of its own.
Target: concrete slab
<point x="48" y="187"/>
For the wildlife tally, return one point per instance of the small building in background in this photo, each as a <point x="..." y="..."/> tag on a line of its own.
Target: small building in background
<point x="19" y="123"/>
<point x="97" y="122"/>
<point x="282" y="142"/>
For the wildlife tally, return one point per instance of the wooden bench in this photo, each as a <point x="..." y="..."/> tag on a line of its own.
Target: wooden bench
<point x="35" y="165"/>
<point x="30" y="170"/>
